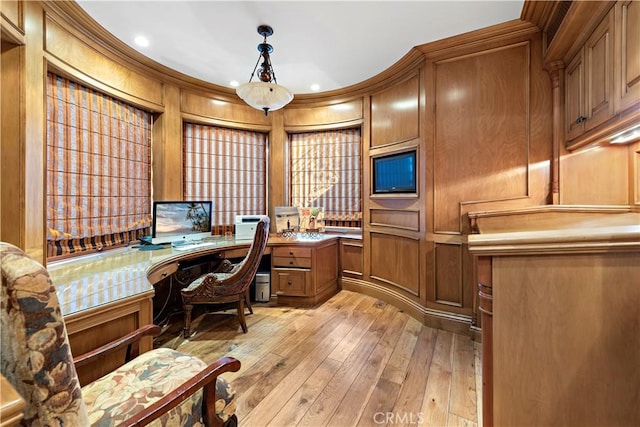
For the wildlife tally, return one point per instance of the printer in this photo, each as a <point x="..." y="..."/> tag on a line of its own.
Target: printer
<point x="246" y="226"/>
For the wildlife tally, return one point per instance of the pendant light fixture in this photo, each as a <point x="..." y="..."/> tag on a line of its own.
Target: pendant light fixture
<point x="266" y="94"/>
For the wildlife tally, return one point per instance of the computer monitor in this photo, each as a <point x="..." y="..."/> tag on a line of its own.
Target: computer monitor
<point x="181" y="221"/>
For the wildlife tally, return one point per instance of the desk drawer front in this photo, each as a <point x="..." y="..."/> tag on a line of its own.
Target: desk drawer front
<point x="291" y="252"/>
<point x="162" y="273"/>
<point x="292" y="262"/>
<point x="291" y="282"/>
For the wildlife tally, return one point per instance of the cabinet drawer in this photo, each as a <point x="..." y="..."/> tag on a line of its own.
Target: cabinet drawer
<point x="162" y="273"/>
<point x="291" y="282"/>
<point x="291" y="252"/>
<point x="292" y="262"/>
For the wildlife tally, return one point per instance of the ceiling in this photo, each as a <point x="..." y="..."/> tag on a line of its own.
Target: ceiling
<point x="333" y="44"/>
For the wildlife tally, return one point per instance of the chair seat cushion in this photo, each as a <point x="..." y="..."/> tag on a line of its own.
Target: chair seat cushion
<point x="138" y="384"/>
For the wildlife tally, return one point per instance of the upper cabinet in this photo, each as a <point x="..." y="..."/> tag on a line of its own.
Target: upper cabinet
<point x="592" y="50"/>
<point x="589" y="81"/>
<point x="627" y="55"/>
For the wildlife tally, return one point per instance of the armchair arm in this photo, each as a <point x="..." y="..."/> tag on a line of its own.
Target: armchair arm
<point x="205" y="380"/>
<point x="127" y="340"/>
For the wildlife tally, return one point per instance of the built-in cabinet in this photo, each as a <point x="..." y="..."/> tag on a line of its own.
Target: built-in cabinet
<point x="602" y="75"/>
<point x="627" y="58"/>
<point x="589" y="81"/>
<point x="305" y="275"/>
<point x="559" y="293"/>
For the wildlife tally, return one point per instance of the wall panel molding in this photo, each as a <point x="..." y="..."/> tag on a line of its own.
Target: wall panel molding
<point x="403" y="219"/>
<point x="395" y="261"/>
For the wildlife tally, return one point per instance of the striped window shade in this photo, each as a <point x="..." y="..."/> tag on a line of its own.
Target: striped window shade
<point x="326" y="172"/>
<point x="228" y="167"/>
<point x="98" y="169"/>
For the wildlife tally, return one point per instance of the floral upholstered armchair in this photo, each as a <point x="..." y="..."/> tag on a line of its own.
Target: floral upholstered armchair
<point x="162" y="387"/>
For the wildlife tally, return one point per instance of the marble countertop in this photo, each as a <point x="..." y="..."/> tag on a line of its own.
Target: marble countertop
<point x="89" y="281"/>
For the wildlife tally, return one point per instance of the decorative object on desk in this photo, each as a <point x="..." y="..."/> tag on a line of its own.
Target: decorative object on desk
<point x="231" y="287"/>
<point x="288" y="234"/>
<point x="266" y="95"/>
<point x="170" y="387"/>
<point x="311" y="219"/>
<point x="287" y="219"/>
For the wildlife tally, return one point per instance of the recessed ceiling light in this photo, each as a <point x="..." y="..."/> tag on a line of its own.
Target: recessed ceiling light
<point x="233" y="83"/>
<point x="142" y="41"/>
<point x="315" y="87"/>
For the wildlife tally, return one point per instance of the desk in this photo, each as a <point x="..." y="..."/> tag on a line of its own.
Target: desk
<point x="103" y="296"/>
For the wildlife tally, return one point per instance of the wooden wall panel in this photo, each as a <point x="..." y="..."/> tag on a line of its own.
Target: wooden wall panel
<point x="167" y="148"/>
<point x="596" y="176"/>
<point x="395" y="113"/>
<point x="395" y="261"/>
<point x="208" y="107"/>
<point x="482" y="122"/>
<point x="405" y="219"/>
<point x="448" y="284"/>
<point x="117" y="79"/>
<point x="12" y="12"/>
<point x="34" y="165"/>
<point x="335" y="114"/>
<point x="12" y="150"/>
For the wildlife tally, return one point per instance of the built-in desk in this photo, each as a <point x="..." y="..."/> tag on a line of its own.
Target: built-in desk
<point x="103" y="296"/>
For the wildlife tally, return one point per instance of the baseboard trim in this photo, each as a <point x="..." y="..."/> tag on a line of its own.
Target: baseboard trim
<point x="439" y="319"/>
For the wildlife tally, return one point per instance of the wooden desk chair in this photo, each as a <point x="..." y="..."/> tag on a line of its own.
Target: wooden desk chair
<point x="231" y="287"/>
<point x="161" y="385"/>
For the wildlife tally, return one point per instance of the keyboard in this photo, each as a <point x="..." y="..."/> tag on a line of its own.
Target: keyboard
<point x="191" y="246"/>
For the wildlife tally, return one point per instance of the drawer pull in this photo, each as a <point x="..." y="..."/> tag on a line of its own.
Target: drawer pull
<point x="289" y="282"/>
<point x="290" y="252"/>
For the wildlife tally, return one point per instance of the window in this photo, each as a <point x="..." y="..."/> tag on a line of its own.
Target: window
<point x="326" y="172"/>
<point x="98" y="169"/>
<point x="228" y="167"/>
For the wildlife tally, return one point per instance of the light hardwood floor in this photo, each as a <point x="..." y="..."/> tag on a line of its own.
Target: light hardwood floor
<point x="352" y="361"/>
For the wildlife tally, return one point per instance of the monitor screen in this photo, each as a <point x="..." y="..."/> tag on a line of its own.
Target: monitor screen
<point x="394" y="173"/>
<point x="177" y="221"/>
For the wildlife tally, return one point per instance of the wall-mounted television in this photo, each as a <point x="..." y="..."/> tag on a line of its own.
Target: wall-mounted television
<point x="181" y="221"/>
<point x="394" y="173"/>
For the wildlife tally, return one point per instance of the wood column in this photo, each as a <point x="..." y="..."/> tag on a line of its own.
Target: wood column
<point x="556" y="72"/>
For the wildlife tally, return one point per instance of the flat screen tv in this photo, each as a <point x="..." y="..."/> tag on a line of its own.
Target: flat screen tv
<point x="394" y="173"/>
<point x="181" y="221"/>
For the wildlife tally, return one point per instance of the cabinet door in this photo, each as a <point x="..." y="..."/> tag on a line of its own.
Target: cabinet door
<point x="598" y="56"/>
<point x="291" y="282"/>
<point x="574" y="97"/>
<point x="628" y="54"/>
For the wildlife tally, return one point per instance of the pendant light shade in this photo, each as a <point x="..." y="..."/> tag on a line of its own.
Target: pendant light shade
<point x="266" y="94"/>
